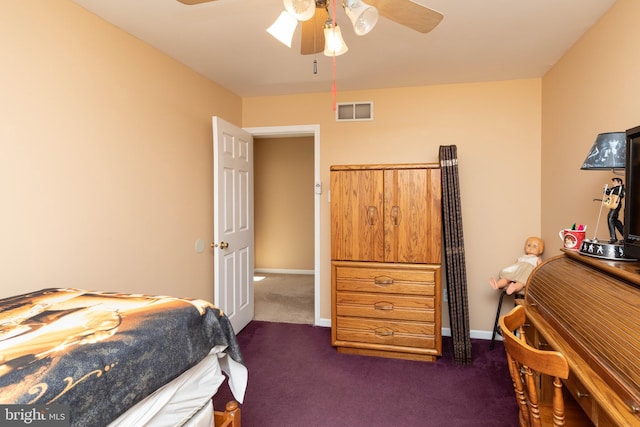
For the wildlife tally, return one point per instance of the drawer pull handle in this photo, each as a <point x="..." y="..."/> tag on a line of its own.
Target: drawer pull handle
<point x="382" y="281"/>
<point x="383" y="306"/>
<point x="581" y="394"/>
<point x="635" y="409"/>
<point x="384" y="332"/>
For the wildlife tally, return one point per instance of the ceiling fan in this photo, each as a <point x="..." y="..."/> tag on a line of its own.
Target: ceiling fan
<point x="363" y="17"/>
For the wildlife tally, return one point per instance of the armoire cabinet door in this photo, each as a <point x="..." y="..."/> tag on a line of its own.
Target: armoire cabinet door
<point x="386" y="214"/>
<point x="412" y="203"/>
<point x="357" y="223"/>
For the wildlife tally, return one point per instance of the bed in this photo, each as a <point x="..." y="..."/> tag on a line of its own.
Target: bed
<point x="119" y="360"/>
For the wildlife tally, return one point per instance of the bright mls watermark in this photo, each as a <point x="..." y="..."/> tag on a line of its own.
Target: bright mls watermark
<point x="34" y="415"/>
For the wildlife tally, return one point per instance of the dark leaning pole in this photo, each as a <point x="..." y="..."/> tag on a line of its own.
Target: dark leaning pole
<point x="455" y="271"/>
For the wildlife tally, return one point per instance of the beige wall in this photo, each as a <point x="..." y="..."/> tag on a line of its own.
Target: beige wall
<point x="283" y="204"/>
<point x="106" y="157"/>
<point x="105" y="172"/>
<point x="496" y="127"/>
<point x="595" y="88"/>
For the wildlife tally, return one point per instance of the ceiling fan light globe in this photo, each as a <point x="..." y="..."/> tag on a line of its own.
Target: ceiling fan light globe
<point x="363" y="17"/>
<point x="283" y="28"/>
<point x="334" y="44"/>
<point x="302" y="10"/>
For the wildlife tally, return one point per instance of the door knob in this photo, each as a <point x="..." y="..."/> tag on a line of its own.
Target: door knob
<point x="222" y="245"/>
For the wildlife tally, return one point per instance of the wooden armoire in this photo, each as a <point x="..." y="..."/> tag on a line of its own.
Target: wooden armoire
<point x="386" y="232"/>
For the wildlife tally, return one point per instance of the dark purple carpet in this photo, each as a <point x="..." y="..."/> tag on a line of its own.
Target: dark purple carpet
<point x="296" y="378"/>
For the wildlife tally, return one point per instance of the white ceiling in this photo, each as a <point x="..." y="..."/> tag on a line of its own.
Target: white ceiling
<point x="478" y="40"/>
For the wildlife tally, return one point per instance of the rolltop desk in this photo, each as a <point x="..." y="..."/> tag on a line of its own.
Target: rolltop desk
<point x="589" y="310"/>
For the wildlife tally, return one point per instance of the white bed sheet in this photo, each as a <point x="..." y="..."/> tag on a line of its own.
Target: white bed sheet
<point x="203" y="418"/>
<point x="181" y="402"/>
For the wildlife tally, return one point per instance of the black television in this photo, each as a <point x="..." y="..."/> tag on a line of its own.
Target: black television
<point x="632" y="195"/>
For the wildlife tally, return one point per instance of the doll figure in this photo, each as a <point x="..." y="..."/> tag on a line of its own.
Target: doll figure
<point x="514" y="277"/>
<point x="614" y="209"/>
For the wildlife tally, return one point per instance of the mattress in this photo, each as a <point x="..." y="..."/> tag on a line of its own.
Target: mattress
<point x="186" y="401"/>
<point x="102" y="353"/>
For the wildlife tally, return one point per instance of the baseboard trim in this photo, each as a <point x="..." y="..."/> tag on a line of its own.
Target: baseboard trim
<point x="281" y="271"/>
<point x="480" y="335"/>
<point x="324" y="322"/>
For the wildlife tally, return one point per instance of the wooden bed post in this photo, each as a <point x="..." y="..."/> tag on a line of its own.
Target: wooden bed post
<point x="230" y="417"/>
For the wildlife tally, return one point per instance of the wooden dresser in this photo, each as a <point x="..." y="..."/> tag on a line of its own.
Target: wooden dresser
<point x="589" y="309"/>
<point x="386" y="254"/>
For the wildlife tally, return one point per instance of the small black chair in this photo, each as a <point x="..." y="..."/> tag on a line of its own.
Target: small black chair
<point x="496" y="326"/>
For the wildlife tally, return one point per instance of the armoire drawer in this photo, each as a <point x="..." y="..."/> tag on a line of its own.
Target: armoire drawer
<point x="375" y="279"/>
<point x="386" y="332"/>
<point x="385" y="306"/>
<point x="386" y="309"/>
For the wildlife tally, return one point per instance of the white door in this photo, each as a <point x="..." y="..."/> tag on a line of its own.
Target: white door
<point x="233" y="222"/>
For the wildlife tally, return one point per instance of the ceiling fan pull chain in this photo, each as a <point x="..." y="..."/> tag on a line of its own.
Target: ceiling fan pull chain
<point x="315" y="49"/>
<point x="334" y="90"/>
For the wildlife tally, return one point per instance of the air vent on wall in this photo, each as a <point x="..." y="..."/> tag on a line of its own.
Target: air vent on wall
<point x="354" y="111"/>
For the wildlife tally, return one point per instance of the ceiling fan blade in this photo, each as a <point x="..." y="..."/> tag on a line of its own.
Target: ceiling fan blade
<point x="192" y="2"/>
<point x="313" y="32"/>
<point x="408" y="13"/>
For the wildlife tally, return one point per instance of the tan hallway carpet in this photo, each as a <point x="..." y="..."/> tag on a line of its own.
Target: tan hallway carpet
<point x="284" y="298"/>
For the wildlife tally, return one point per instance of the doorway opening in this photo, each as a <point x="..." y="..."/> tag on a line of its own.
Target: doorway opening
<point x="312" y="131"/>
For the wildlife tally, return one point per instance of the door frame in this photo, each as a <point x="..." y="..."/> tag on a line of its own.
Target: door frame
<point x="294" y="131"/>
